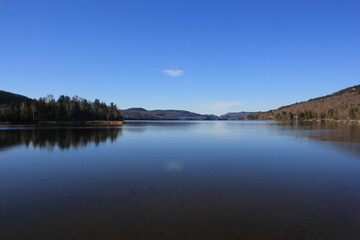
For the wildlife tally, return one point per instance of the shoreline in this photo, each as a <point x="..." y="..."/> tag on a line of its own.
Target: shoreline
<point x="330" y="120"/>
<point x="351" y="121"/>
<point x="67" y="123"/>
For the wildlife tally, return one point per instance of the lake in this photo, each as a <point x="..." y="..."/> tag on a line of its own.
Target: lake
<point x="181" y="180"/>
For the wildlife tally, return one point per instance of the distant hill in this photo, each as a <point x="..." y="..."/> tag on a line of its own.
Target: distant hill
<point x="341" y="105"/>
<point x="6" y="98"/>
<point x="143" y="114"/>
<point x="235" y="115"/>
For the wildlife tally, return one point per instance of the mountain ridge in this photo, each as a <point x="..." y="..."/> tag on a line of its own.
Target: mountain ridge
<point x="234" y="115"/>
<point x="170" y="114"/>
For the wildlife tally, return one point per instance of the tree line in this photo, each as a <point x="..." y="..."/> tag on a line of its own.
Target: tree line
<point x="62" y="109"/>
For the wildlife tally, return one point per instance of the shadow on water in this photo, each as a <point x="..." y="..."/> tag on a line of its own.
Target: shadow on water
<point x="63" y="138"/>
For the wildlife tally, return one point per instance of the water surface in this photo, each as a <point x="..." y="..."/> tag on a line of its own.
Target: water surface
<point x="181" y="180"/>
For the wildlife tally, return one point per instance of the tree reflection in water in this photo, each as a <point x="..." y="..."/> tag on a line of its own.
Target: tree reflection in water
<point x="63" y="138"/>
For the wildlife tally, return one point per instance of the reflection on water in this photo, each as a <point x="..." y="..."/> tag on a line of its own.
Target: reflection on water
<point x="63" y="138"/>
<point x="326" y="131"/>
<point x="181" y="180"/>
<point x="344" y="136"/>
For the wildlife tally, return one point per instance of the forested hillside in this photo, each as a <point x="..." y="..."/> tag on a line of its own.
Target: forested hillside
<point x="341" y="105"/>
<point x="235" y="115"/>
<point x="6" y="98"/>
<point x="143" y="114"/>
<point x="62" y="109"/>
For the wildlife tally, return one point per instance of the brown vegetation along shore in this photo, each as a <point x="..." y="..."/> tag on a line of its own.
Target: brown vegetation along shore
<point x="68" y="123"/>
<point x="104" y="123"/>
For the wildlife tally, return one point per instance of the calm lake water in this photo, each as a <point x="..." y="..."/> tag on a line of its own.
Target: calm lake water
<point x="181" y="180"/>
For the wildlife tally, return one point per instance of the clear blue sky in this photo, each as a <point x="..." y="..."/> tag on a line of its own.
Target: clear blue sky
<point x="200" y="55"/>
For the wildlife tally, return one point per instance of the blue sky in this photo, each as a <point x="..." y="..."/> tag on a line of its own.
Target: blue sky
<point x="199" y="55"/>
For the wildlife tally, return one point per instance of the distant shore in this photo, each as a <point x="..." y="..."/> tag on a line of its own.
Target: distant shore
<point x="67" y="123"/>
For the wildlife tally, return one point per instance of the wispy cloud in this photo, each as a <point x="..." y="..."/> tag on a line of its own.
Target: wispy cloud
<point x="223" y="106"/>
<point x="173" y="72"/>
